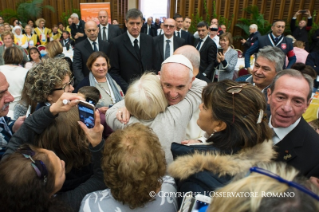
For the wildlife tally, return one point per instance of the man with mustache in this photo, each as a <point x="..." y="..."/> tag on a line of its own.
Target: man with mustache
<point x="7" y="126"/>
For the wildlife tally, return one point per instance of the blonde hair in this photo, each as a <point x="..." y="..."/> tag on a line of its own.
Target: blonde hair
<point x="257" y="183"/>
<point x="54" y="48"/>
<point x="145" y="97"/>
<point x="39" y="20"/>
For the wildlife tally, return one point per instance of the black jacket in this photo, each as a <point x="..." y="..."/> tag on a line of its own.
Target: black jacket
<point x="159" y="54"/>
<point x="251" y="40"/>
<point x="152" y="32"/>
<point x="112" y="32"/>
<point x="80" y="29"/>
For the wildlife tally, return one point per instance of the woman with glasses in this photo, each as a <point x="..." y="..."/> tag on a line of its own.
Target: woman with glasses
<point x="262" y="183"/>
<point x="98" y="63"/>
<point x="48" y="81"/>
<point x="237" y="136"/>
<point x="32" y="177"/>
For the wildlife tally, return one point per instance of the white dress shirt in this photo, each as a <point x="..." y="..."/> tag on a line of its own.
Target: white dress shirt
<point x="97" y="43"/>
<point x="171" y="44"/>
<point x="280" y="132"/>
<point x="216" y="40"/>
<point x="133" y="39"/>
<point x="180" y="33"/>
<point x="106" y="31"/>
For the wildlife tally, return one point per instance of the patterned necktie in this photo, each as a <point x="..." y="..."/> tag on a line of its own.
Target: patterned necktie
<point x="167" y="49"/>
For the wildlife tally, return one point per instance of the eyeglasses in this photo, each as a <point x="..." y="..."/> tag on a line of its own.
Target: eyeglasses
<point x="66" y="85"/>
<point x="233" y="90"/>
<point x="167" y="26"/>
<point x="38" y="166"/>
<point x="282" y="180"/>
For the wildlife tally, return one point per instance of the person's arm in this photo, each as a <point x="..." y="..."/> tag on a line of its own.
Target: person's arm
<point x="114" y="71"/>
<point x="291" y="57"/>
<point x="212" y="51"/>
<point x="110" y="116"/>
<point x="253" y="49"/>
<point x="231" y="63"/>
<point x="293" y="22"/>
<point x="74" y="197"/>
<point x="77" y="65"/>
<point x="309" y="22"/>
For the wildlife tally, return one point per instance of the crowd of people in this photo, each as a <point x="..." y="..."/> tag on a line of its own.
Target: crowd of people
<point x="170" y="116"/>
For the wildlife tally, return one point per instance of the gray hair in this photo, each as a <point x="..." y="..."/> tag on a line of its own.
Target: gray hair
<point x="74" y="15"/>
<point x="273" y="54"/>
<point x="295" y="74"/>
<point x="133" y="13"/>
<point x="253" y="26"/>
<point x="193" y="57"/>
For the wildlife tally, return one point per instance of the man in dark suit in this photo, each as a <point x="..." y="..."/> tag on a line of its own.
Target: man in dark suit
<point x="66" y="41"/>
<point x="84" y="49"/>
<point x="207" y="49"/>
<point x="189" y="39"/>
<point x="149" y="29"/>
<point x="107" y="31"/>
<point x="77" y="28"/>
<point x="157" y="23"/>
<point x="294" y="140"/>
<point x="301" y="32"/>
<point x="166" y="44"/>
<point x="254" y="35"/>
<point x="131" y="54"/>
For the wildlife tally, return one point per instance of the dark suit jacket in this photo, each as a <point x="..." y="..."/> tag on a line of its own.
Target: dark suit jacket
<point x="153" y="30"/>
<point x="82" y="52"/>
<point x="251" y="40"/>
<point x="158" y="43"/>
<point x="125" y="63"/>
<point x="112" y="32"/>
<point x="207" y="53"/>
<point x="302" y="144"/>
<point x="188" y="37"/>
<point x="70" y="42"/>
<point x="80" y="29"/>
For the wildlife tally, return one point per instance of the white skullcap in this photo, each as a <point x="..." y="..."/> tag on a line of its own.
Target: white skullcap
<point x="181" y="59"/>
<point x="16" y="27"/>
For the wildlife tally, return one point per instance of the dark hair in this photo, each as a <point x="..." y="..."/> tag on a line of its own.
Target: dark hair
<point x="176" y="15"/>
<point x="13" y="55"/>
<point x="33" y="48"/>
<point x="67" y="139"/>
<point x="134" y="13"/>
<point x="22" y="189"/>
<point x="305" y="69"/>
<point x="93" y="58"/>
<point x="295" y="74"/>
<point x="278" y="20"/>
<point x="202" y="24"/>
<point x="187" y="17"/>
<point x="242" y="130"/>
<point x="29" y="21"/>
<point x="91" y="93"/>
<point x="67" y="32"/>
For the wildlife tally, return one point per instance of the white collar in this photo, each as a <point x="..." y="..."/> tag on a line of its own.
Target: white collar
<point x="101" y="26"/>
<point x="180" y="31"/>
<point x="204" y="39"/>
<point x="282" y="132"/>
<point x="133" y="39"/>
<point x="165" y="38"/>
<point x="96" y="41"/>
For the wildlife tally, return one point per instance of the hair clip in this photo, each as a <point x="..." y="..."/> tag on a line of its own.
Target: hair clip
<point x="260" y="116"/>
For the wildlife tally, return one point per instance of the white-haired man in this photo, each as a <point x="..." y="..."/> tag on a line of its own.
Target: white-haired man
<point x="77" y="28"/>
<point x="254" y="35"/>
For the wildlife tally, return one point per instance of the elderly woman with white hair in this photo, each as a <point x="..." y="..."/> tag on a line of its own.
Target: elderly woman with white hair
<point x="147" y="103"/>
<point x="19" y="38"/>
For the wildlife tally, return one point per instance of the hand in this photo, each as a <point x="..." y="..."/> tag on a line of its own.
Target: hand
<point x="103" y="109"/>
<point x="123" y="115"/>
<point x="243" y="41"/>
<point x="297" y="13"/>
<point x="76" y="36"/>
<point x="315" y="181"/>
<point x="17" y="124"/>
<point x="220" y="57"/>
<point x="308" y="13"/>
<point x="58" y="106"/>
<point x="190" y="142"/>
<point x="94" y="135"/>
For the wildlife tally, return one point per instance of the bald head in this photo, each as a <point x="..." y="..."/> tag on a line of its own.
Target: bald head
<point x="192" y="55"/>
<point x="103" y="17"/>
<point x="91" y="30"/>
<point x="169" y="27"/>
